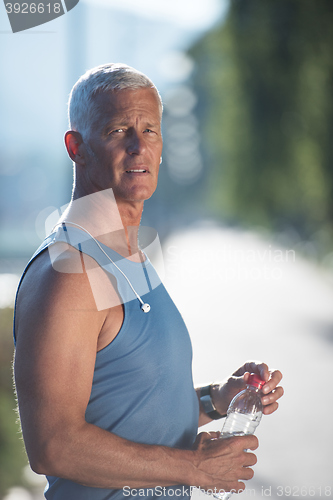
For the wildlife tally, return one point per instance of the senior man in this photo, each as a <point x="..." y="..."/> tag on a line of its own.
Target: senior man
<point x="103" y="357"/>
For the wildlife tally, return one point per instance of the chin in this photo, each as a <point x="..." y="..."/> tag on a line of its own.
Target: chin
<point x="141" y="194"/>
<point x="138" y="197"/>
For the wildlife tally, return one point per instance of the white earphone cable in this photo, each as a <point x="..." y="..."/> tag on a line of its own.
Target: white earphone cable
<point x="145" y="307"/>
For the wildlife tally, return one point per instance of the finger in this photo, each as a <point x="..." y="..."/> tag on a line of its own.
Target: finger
<point x="272" y="396"/>
<point x="253" y="367"/>
<point x="268" y="410"/>
<point x="250" y="459"/>
<point x="263" y="371"/>
<point x="274" y="380"/>
<point x="234" y="487"/>
<point x="246" y="474"/>
<point x="240" y="487"/>
<point x="205" y="439"/>
<point x="201" y="437"/>
<point x="248" y="442"/>
<point x="240" y="473"/>
<point x="214" y="434"/>
<point x="254" y="443"/>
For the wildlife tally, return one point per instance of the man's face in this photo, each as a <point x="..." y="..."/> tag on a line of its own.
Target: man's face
<point x="125" y="144"/>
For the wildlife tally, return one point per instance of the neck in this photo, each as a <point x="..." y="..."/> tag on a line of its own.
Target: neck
<point x="114" y="223"/>
<point x="130" y="215"/>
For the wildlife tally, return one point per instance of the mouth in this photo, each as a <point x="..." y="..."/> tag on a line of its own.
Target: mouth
<point x="137" y="171"/>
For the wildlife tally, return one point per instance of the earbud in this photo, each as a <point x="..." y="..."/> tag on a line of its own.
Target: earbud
<point x="145" y="308"/>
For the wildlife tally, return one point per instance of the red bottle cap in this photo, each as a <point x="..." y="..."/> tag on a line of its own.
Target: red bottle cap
<point x="255" y="380"/>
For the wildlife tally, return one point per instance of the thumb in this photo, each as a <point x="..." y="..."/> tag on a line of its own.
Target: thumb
<point x="204" y="437"/>
<point x="214" y="434"/>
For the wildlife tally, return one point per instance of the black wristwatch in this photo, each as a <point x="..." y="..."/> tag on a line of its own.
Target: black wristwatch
<point x="207" y="403"/>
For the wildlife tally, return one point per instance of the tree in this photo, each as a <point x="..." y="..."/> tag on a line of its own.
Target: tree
<point x="265" y="79"/>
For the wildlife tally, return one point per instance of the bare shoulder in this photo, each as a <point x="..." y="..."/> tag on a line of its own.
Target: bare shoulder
<point x="57" y="286"/>
<point x="52" y="276"/>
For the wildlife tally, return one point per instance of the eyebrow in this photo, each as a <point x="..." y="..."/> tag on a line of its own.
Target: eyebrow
<point x="121" y="123"/>
<point x="152" y="125"/>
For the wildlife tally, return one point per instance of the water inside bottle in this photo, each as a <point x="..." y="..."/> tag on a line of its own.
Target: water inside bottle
<point x="239" y="424"/>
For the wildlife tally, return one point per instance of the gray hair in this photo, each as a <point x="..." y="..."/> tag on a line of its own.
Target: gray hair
<point x="82" y="108"/>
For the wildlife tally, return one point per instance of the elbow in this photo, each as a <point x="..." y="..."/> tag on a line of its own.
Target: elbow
<point x="38" y="468"/>
<point x="46" y="460"/>
<point x="41" y="464"/>
<point x="52" y="452"/>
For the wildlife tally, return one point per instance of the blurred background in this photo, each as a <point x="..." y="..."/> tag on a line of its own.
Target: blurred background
<point x="244" y="206"/>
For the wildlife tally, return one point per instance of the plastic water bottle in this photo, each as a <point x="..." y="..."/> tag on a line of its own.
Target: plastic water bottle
<point x="243" y="416"/>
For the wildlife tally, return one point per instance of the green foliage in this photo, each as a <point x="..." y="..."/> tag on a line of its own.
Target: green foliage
<point x="12" y="455"/>
<point x="265" y="82"/>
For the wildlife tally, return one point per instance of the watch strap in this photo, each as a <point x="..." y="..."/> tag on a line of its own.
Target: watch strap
<point x="207" y="403"/>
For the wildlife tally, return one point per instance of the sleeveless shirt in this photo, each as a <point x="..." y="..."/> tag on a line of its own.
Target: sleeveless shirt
<point x="142" y="387"/>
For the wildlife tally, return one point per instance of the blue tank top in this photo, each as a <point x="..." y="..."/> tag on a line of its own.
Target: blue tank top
<point x="142" y="387"/>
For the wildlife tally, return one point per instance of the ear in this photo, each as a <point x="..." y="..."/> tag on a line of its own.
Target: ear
<point x="73" y="142"/>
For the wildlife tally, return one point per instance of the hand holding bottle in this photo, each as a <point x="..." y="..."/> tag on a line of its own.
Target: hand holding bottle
<point x="224" y="392"/>
<point x="223" y="464"/>
<point x="243" y="416"/>
<point x="220" y="456"/>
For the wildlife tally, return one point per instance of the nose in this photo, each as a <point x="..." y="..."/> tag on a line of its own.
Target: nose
<point x="135" y="143"/>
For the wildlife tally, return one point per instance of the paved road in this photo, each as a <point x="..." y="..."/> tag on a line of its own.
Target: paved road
<point x="242" y="299"/>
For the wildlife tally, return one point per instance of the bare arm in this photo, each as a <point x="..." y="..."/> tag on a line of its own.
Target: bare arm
<point x="58" y="328"/>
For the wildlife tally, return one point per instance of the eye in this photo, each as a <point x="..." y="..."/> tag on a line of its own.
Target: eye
<point x="149" y="130"/>
<point x="116" y="131"/>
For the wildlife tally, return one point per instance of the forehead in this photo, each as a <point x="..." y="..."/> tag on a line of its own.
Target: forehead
<point x="128" y="103"/>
